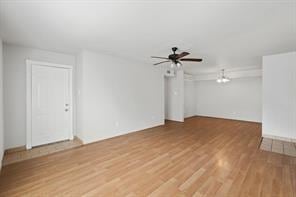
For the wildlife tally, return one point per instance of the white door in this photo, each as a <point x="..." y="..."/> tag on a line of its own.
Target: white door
<point x="51" y="107"/>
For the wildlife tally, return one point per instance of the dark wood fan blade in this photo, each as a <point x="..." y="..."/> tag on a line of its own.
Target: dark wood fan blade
<point x="183" y="54"/>
<point x="161" y="62"/>
<point x="165" y="58"/>
<point x="191" y="59"/>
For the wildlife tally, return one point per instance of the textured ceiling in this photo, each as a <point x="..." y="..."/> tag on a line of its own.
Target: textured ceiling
<point x="224" y="33"/>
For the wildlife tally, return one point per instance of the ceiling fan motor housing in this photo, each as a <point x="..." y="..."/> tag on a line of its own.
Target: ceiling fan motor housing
<point x="173" y="56"/>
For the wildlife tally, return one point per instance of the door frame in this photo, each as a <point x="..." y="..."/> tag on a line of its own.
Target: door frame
<point x="29" y="64"/>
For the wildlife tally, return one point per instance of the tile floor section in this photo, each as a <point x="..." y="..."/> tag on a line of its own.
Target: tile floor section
<point x="278" y="146"/>
<point x="21" y="155"/>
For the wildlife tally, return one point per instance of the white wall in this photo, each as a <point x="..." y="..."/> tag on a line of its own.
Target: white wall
<point x="116" y="96"/>
<point x="15" y="88"/>
<point x="174" y="97"/>
<point x="1" y="105"/>
<point x="189" y="98"/>
<point x="279" y="96"/>
<point x="239" y="99"/>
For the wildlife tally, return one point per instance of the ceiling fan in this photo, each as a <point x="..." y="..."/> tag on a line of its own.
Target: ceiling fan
<point x="176" y="58"/>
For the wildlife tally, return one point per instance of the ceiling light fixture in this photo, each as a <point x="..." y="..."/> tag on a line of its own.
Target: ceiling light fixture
<point x="176" y="65"/>
<point x="223" y="78"/>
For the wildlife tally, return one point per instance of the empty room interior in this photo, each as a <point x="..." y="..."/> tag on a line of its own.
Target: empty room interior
<point x="148" y="98"/>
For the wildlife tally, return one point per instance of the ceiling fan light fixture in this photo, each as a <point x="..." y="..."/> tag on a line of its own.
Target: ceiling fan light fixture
<point x="225" y="80"/>
<point x="219" y="80"/>
<point x="172" y="65"/>
<point x="178" y="64"/>
<point x="222" y="78"/>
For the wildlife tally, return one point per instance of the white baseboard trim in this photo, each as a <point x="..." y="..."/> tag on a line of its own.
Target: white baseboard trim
<point x="1" y="159"/>
<point x="191" y="116"/>
<point x="228" y="118"/>
<point x="279" y="138"/>
<point x="95" y="139"/>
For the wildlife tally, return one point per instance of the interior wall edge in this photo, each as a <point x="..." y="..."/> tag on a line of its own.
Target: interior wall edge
<point x="228" y="118"/>
<point x="1" y="105"/>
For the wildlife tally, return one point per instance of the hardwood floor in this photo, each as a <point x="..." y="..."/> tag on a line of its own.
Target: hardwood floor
<point x="201" y="157"/>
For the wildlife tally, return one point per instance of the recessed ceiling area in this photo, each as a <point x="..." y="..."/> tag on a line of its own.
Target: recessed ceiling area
<point x="226" y="34"/>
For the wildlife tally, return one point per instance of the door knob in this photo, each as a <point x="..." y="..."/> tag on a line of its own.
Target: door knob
<point x="66" y="110"/>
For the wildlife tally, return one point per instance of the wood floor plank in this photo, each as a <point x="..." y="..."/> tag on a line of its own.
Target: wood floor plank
<point x="200" y="157"/>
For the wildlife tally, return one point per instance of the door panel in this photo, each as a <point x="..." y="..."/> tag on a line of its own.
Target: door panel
<point x="51" y="119"/>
